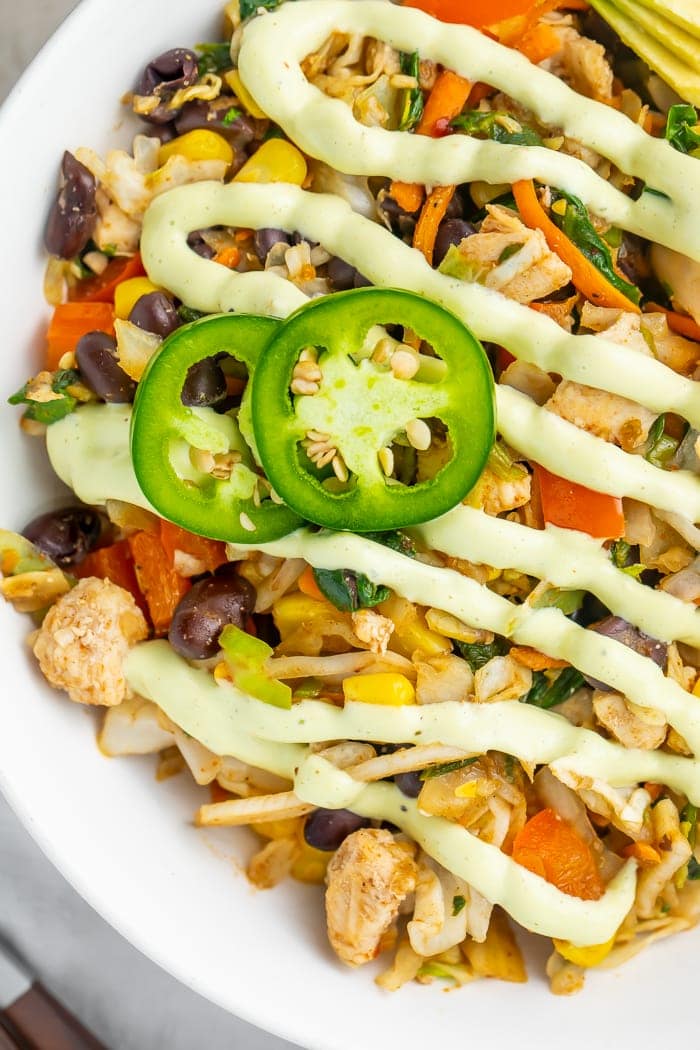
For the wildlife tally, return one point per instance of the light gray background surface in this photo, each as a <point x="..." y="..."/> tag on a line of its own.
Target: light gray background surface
<point x="128" y="1002"/>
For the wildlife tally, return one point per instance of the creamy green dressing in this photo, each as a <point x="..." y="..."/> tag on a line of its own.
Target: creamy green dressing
<point x="273" y="47"/>
<point x="228" y="722"/>
<point x="89" y="451"/>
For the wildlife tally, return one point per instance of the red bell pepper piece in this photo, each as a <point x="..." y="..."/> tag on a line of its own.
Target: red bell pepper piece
<point x="211" y="553"/>
<point x="114" y="563"/>
<point x="70" y="322"/>
<point x="160" y="584"/>
<point x="100" y="288"/>
<point x="572" y="506"/>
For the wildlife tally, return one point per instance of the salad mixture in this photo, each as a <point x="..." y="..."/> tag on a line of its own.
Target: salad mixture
<point x="373" y="368"/>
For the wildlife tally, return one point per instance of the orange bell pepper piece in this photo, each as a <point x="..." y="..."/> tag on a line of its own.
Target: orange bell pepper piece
<point x="572" y="506"/>
<point x="678" y="323"/>
<point x="114" y="563"/>
<point x="551" y="848"/>
<point x="308" y="585"/>
<point x="160" y="584"/>
<point x="211" y="553"/>
<point x="100" y="288"/>
<point x="483" y="12"/>
<point x="589" y="281"/>
<point x="70" y="322"/>
<point x="431" y="216"/>
<point x="534" y="659"/>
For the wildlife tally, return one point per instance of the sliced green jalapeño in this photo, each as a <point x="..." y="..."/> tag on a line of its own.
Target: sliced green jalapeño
<point x="359" y="432"/>
<point x="193" y="464"/>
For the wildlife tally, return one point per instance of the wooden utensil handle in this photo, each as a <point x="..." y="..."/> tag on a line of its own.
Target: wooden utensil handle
<point x="42" y="1023"/>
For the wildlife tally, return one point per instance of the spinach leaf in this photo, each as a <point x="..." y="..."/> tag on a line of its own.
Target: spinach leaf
<point x="661" y="447"/>
<point x="187" y="314"/>
<point x="412" y="109"/>
<point x="683" y="130"/>
<point x="545" y="693"/>
<point x="249" y="7"/>
<point x="574" y="220"/>
<point x="212" y="58"/>
<point x="458" y="904"/>
<point x="500" y="127"/>
<point x="48" y="412"/>
<point x="349" y="591"/>
<point x="446" y="767"/>
<point x="477" y="654"/>
<point x="231" y="115"/>
<point x="395" y="541"/>
<point x="693" y="870"/>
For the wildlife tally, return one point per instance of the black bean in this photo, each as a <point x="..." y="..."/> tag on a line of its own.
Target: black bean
<point x="155" y="312"/>
<point x="72" y="219"/>
<point x="450" y="231"/>
<point x="266" y="239"/>
<point x="96" y="356"/>
<point x="591" y="610"/>
<point x="196" y="242"/>
<point x="212" y="115"/>
<point x="205" y="384"/>
<point x="400" y="222"/>
<point x="343" y="276"/>
<point x="455" y="209"/>
<point x="165" y="75"/>
<point x="67" y="535"/>
<point x="326" y="829"/>
<point x="622" y="631"/>
<point x="409" y="784"/>
<point x="209" y="606"/>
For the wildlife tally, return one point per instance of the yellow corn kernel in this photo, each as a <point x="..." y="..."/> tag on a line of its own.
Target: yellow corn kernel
<point x="276" y="161"/>
<point x="411" y="630"/>
<point x="469" y="789"/>
<point x="310" y="864"/>
<point x="200" y="144"/>
<point x="593" y="955"/>
<point x="292" y="610"/>
<point x="233" y="79"/>
<point x="128" y="293"/>
<point x="279" y="829"/>
<point x="389" y="688"/>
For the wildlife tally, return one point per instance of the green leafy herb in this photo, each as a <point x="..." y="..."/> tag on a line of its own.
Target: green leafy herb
<point x="576" y="224"/>
<point x="249" y="7"/>
<point x="498" y="126"/>
<point x="661" y="447"/>
<point x="656" y="193"/>
<point x="395" y="541"/>
<point x="212" y="58"/>
<point x="412" y="109"/>
<point x="620" y="554"/>
<point x="349" y="591"/>
<point x="446" y="767"/>
<point x="693" y="870"/>
<point x="458" y="904"/>
<point x="547" y="693"/>
<point x="689" y="816"/>
<point x="477" y="654"/>
<point x="187" y="314"/>
<point x="683" y="130"/>
<point x="558" y="598"/>
<point x="508" y="252"/>
<point x="49" y="411"/>
<point x="231" y="115"/>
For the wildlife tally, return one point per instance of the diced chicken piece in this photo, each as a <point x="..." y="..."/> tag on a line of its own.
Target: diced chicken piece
<point x="497" y="495"/>
<point x="617" y="326"/>
<point x="84" y="639"/>
<point x="373" y="629"/>
<point x="581" y="62"/>
<point x="608" y="416"/>
<point x="513" y="259"/>
<point x="633" y="728"/>
<point x="368" y="879"/>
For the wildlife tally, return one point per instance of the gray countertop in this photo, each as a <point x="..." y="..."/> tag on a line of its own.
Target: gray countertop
<point x="128" y="1002"/>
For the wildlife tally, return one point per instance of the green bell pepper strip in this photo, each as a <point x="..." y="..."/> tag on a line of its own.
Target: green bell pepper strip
<point x="363" y="407"/>
<point x="164" y="431"/>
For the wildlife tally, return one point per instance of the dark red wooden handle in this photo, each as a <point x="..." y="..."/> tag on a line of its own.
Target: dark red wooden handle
<point x="42" y="1023"/>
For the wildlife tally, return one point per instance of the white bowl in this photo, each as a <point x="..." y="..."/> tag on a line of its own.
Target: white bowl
<point x="127" y="843"/>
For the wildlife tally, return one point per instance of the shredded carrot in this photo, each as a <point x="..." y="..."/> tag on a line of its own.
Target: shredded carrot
<point x="229" y="257"/>
<point x="210" y="553"/>
<point x="308" y="585"/>
<point x="445" y="101"/>
<point x="70" y="322"/>
<point x="431" y="216"/>
<point x="408" y="195"/>
<point x="540" y="43"/>
<point x="160" y="584"/>
<point x="642" y="852"/>
<point x="678" y="323"/>
<point x="589" y="281"/>
<point x="534" y="659"/>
